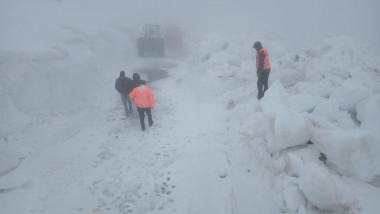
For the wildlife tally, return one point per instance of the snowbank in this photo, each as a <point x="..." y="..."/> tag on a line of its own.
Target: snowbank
<point x="321" y="189"/>
<point x="11" y="118"/>
<point x="290" y="128"/>
<point x="311" y="98"/>
<point x="349" y="94"/>
<point x="65" y="79"/>
<point x="329" y="110"/>
<point x="348" y="151"/>
<point x="368" y="113"/>
<point x="327" y="96"/>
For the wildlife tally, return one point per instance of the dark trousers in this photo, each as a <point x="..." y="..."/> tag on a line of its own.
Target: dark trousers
<point x="262" y="82"/>
<point x="127" y="103"/>
<point x="142" y="115"/>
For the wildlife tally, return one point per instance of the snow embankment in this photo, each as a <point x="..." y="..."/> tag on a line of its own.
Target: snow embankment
<point x="317" y="123"/>
<point x="63" y="79"/>
<point x="48" y="95"/>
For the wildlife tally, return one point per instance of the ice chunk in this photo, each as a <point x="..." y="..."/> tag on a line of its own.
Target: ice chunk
<point x="304" y="102"/>
<point x="277" y="107"/>
<point x="293" y="198"/>
<point x="298" y="133"/>
<point x="350" y="94"/>
<point x="319" y="188"/>
<point x="368" y="113"/>
<point x="348" y="151"/>
<point x="329" y="109"/>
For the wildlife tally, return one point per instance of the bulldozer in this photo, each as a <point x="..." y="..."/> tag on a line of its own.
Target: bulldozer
<point x="151" y="43"/>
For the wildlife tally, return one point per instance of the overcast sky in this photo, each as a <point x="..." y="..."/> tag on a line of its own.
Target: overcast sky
<point x="294" y="20"/>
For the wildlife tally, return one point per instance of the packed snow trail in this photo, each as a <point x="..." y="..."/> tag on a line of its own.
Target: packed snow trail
<point x="173" y="166"/>
<point x="109" y="165"/>
<point x="103" y="163"/>
<point x="212" y="146"/>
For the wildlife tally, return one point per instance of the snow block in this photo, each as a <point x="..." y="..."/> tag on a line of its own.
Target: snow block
<point x="329" y="110"/>
<point x="8" y="163"/>
<point x="293" y="198"/>
<point x="213" y="42"/>
<point x="322" y="190"/>
<point x="321" y="88"/>
<point x="11" y="117"/>
<point x="319" y="188"/>
<point x="290" y="128"/>
<point x="275" y="98"/>
<point x="350" y="94"/>
<point x="304" y="102"/>
<point x="249" y="124"/>
<point x="368" y="113"/>
<point x="294" y="165"/>
<point x="349" y="152"/>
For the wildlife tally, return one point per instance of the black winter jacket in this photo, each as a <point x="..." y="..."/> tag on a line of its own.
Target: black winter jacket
<point x="137" y="83"/>
<point x="124" y="85"/>
<point x="261" y="62"/>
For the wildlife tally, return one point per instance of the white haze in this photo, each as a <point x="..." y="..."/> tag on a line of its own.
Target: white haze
<point x="66" y="146"/>
<point x="298" y="22"/>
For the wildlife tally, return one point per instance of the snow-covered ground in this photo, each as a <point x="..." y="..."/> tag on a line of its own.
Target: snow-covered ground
<point x="310" y="145"/>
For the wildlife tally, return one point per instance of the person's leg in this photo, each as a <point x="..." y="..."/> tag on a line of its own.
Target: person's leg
<point x="260" y="87"/>
<point x="129" y="104"/>
<point x="265" y="81"/>
<point x="141" y="114"/>
<point x="149" y="113"/>
<point x="124" y="99"/>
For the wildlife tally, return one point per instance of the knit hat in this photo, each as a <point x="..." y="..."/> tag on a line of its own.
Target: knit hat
<point x="257" y="45"/>
<point x="136" y="76"/>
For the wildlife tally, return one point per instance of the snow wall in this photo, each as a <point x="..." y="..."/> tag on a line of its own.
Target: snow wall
<point x="318" y="122"/>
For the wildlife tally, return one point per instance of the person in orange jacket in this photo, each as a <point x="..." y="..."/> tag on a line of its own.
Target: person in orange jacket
<point x="143" y="97"/>
<point x="263" y="69"/>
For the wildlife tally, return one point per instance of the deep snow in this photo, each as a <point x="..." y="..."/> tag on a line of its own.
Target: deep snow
<point x="66" y="146"/>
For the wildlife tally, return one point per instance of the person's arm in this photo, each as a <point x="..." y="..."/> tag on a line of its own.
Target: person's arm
<point x="151" y="99"/>
<point x="132" y="96"/>
<point x="261" y="62"/>
<point x="117" y="86"/>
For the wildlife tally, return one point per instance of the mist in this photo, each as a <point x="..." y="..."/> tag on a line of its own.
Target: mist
<point x="296" y="22"/>
<point x="310" y="145"/>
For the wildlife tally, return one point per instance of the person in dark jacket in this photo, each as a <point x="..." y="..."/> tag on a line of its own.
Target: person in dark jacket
<point x="262" y="69"/>
<point x="124" y="86"/>
<point x="137" y="81"/>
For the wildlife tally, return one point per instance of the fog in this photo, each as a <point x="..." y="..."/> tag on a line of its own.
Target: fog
<point x="297" y="22"/>
<point x="68" y="147"/>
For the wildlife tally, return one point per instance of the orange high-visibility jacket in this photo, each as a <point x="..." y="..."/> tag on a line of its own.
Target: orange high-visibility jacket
<point x="266" y="59"/>
<point x="142" y="96"/>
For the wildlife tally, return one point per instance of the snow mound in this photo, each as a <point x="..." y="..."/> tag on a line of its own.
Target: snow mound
<point x="294" y="199"/>
<point x="336" y="56"/>
<point x="219" y="65"/>
<point x="304" y="102"/>
<point x="349" y="94"/>
<point x="11" y="117"/>
<point x="329" y="110"/>
<point x="368" y="113"/>
<point x="321" y="189"/>
<point x="348" y="151"/>
<point x="278" y="108"/>
<point x="210" y="44"/>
